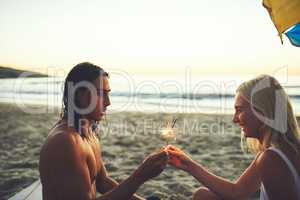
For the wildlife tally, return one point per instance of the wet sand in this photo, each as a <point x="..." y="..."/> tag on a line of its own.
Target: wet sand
<point x="126" y="139"/>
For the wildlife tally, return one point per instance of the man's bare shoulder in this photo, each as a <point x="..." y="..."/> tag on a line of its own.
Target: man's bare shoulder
<point x="63" y="167"/>
<point x="60" y="141"/>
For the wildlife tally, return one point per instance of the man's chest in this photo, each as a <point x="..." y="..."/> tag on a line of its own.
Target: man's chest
<point x="93" y="159"/>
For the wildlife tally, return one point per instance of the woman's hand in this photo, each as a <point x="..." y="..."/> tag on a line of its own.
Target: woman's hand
<point x="178" y="158"/>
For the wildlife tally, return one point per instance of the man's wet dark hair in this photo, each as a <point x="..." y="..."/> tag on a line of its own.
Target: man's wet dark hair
<point x="81" y="72"/>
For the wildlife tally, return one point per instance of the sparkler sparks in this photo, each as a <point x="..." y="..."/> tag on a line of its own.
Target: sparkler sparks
<point x="168" y="134"/>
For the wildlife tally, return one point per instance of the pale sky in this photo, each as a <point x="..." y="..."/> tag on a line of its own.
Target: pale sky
<point x="144" y="36"/>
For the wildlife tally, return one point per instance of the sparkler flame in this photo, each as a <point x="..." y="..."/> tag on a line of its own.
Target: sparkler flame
<point x="169" y="134"/>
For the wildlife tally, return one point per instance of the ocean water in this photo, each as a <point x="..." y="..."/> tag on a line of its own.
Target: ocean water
<point x="185" y="94"/>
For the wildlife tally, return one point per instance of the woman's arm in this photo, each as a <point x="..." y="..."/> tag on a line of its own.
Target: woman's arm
<point x="248" y="183"/>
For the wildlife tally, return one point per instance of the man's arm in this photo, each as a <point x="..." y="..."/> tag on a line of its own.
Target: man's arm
<point x="109" y="184"/>
<point x="125" y="190"/>
<point x="151" y="167"/>
<point x="104" y="183"/>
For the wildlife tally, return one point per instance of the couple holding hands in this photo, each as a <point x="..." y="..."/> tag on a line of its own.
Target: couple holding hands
<point x="71" y="164"/>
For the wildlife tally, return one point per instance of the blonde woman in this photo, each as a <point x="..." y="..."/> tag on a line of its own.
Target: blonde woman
<point x="265" y="115"/>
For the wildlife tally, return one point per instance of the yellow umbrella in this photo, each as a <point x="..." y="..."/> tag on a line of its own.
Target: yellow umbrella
<point x="284" y="13"/>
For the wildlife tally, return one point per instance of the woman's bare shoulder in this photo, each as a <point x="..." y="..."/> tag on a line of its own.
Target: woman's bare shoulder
<point x="269" y="160"/>
<point x="276" y="176"/>
<point x="272" y="168"/>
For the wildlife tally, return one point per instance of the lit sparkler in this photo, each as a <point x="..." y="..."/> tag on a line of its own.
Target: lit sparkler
<point x="168" y="134"/>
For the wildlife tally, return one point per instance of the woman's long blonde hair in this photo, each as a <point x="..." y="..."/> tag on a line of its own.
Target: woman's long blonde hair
<point x="269" y="100"/>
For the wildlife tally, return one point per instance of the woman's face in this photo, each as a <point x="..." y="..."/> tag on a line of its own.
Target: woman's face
<point x="246" y="118"/>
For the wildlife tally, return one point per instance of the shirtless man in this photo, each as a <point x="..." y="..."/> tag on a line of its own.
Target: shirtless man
<point x="71" y="165"/>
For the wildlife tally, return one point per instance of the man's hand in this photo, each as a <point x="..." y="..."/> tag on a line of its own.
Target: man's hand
<point x="152" y="166"/>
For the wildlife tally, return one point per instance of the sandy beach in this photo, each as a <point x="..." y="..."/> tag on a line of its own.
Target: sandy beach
<point x="126" y="138"/>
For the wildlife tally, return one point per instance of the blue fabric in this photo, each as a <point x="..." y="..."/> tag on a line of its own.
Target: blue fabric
<point x="294" y="35"/>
